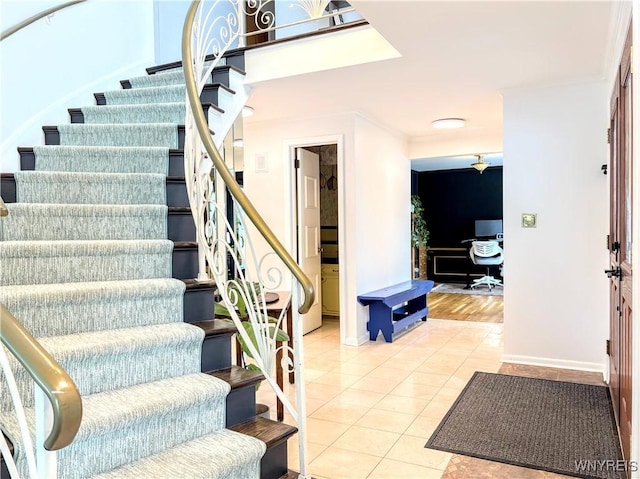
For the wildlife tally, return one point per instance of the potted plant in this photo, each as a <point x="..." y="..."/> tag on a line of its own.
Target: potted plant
<point x="419" y="236"/>
<point x="251" y="298"/>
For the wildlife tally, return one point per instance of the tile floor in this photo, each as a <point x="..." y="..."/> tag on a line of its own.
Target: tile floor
<point x="371" y="409"/>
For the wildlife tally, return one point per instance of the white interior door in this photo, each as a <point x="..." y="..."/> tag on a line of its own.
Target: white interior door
<point x="308" y="174"/>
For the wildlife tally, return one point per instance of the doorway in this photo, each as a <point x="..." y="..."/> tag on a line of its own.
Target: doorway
<point x="620" y="342"/>
<point x="316" y="195"/>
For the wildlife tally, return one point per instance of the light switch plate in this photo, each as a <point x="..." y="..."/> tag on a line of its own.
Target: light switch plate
<point x="529" y="220"/>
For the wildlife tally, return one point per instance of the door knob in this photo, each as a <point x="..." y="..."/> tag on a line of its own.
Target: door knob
<point x="615" y="272"/>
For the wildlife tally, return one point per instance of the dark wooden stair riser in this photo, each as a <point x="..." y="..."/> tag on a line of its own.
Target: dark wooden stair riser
<point x="199" y="302"/>
<point x="176" y="161"/>
<point x="241" y="401"/>
<point x="220" y="74"/>
<point x="185" y="260"/>
<point x="209" y="96"/>
<point x="234" y="58"/>
<point x="274" y="435"/>
<point x="52" y="136"/>
<point x="180" y="225"/>
<point x="4" y="471"/>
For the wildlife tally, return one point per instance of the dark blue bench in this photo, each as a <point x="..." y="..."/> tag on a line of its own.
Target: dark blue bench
<point x="396" y="307"/>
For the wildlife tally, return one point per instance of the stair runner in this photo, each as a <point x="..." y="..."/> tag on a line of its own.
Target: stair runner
<point x="86" y="267"/>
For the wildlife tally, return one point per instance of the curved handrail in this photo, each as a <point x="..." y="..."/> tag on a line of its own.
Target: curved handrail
<point x="225" y="174"/>
<point x="45" y="13"/>
<point x="3" y="208"/>
<point x="49" y="375"/>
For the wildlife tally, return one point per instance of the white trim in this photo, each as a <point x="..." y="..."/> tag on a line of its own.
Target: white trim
<point x="290" y="146"/>
<point x="357" y="341"/>
<point x="554" y="363"/>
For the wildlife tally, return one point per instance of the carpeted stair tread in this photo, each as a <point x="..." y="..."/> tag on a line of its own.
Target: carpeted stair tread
<point x="166" y="94"/>
<point x="221" y="455"/>
<point x="220" y="72"/>
<point x="119" y="358"/>
<point x="40" y="262"/>
<point x="40" y="222"/>
<point x="123" y="424"/>
<point x="102" y="159"/>
<point x="90" y="188"/>
<point x="45" y="310"/>
<point x="124" y="134"/>
<point x="86" y="268"/>
<point x="145" y="113"/>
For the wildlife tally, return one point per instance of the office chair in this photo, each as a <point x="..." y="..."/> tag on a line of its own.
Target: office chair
<point x="486" y="253"/>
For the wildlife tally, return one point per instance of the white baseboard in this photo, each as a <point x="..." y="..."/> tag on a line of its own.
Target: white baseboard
<point x="357" y="341"/>
<point x="554" y="363"/>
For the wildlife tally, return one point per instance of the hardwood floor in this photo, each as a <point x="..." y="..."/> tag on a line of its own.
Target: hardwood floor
<point x="466" y="307"/>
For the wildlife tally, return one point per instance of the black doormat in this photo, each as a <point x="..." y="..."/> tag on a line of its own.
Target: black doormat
<point x="554" y="426"/>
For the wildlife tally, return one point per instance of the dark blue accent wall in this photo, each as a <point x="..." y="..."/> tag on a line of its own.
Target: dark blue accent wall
<point x="454" y="199"/>
<point x="414" y="182"/>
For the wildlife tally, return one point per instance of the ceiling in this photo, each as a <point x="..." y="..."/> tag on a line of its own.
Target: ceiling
<point x="456" y="58"/>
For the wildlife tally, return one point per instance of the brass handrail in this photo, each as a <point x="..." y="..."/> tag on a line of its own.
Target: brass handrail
<point x="49" y="375"/>
<point x="45" y="13"/>
<point x="225" y="174"/>
<point x="3" y="208"/>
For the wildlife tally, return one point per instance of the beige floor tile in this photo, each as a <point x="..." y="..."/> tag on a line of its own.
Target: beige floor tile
<point x="376" y="384"/>
<point x="385" y="420"/>
<point x="423" y="427"/>
<point x="367" y="441"/>
<point x="384" y="373"/>
<point x="390" y="469"/>
<point x="358" y="397"/>
<point x="338" y="379"/>
<point x="321" y="363"/>
<point x="342" y="413"/>
<point x="322" y="391"/>
<point x="403" y="404"/>
<point x="313" y="374"/>
<point x="414" y="354"/>
<point x="324" y="432"/>
<point x="411" y="449"/>
<point x="417" y="391"/>
<point x="353" y="368"/>
<point x="438" y="366"/>
<point x="334" y="463"/>
<point x="313" y="451"/>
<point x="419" y="377"/>
<point x="437" y="407"/>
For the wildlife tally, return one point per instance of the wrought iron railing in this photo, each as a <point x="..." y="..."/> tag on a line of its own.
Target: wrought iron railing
<point x="207" y="35"/>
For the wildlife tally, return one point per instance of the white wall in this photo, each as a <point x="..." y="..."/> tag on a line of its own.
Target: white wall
<point x="51" y="66"/>
<point x="374" y="203"/>
<point x="556" y="294"/>
<point x="380" y="246"/>
<point x="168" y="17"/>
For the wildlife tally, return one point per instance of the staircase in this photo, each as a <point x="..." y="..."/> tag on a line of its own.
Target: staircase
<point x="97" y="257"/>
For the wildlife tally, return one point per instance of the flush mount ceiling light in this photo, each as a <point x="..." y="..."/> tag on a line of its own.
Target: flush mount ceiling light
<point x="443" y="123"/>
<point x="247" y="111"/>
<point x="480" y="165"/>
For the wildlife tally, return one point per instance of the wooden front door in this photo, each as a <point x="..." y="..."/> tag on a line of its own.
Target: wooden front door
<point x="620" y="230"/>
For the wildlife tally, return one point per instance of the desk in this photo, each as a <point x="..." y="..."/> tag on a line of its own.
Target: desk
<point x="274" y="310"/>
